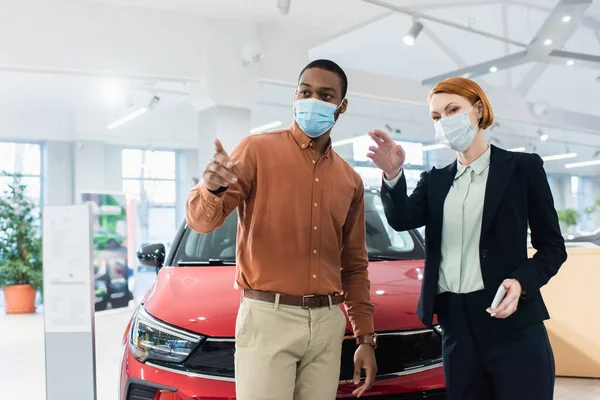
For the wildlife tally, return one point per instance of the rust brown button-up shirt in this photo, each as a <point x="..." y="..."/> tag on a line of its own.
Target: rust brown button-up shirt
<point x="301" y="221"/>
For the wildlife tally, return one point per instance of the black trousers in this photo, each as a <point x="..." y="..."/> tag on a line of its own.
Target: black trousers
<point x="483" y="362"/>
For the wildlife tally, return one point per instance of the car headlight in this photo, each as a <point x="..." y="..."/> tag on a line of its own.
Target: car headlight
<point x="151" y="339"/>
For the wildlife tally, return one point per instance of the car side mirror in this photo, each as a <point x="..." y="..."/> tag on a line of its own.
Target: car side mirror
<point x="152" y="256"/>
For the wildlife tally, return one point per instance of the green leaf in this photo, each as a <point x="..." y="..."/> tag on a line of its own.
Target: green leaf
<point x="20" y="241"/>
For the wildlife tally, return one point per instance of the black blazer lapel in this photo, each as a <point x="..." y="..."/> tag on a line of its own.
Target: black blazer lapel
<point x="502" y="166"/>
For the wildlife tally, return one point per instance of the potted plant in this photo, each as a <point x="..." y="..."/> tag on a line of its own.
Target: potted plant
<point x="20" y="247"/>
<point x="569" y="217"/>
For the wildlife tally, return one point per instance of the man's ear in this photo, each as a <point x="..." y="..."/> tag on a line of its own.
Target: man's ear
<point x="344" y="106"/>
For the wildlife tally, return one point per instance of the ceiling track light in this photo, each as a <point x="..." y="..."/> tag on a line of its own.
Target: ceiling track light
<point x="543" y="136"/>
<point x="135" y="114"/>
<point x="265" y="127"/>
<point x="559" y="157"/>
<point x="284" y="6"/>
<point x="583" y="164"/>
<point x="413" y="33"/>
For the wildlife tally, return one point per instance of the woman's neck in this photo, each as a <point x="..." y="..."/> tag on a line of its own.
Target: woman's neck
<point x="476" y="150"/>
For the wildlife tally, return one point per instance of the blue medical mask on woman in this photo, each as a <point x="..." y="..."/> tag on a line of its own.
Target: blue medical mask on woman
<point x="456" y="132"/>
<point x="315" y="117"/>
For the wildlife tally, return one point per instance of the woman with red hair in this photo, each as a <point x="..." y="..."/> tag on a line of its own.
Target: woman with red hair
<point x="478" y="277"/>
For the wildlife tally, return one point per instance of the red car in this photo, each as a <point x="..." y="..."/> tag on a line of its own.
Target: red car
<point x="180" y="342"/>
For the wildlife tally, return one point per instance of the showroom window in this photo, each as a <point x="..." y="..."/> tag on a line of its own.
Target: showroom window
<point x="149" y="177"/>
<point x="371" y="175"/>
<point x="24" y="159"/>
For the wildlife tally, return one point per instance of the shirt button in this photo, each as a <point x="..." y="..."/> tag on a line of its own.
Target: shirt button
<point x="314" y="276"/>
<point x="317" y="180"/>
<point x="484" y="253"/>
<point x="315" y="228"/>
<point x="310" y="144"/>
<point x="316" y="205"/>
<point x="209" y="215"/>
<point x="314" y="161"/>
<point x="303" y="146"/>
<point x="216" y="199"/>
<point x="314" y="252"/>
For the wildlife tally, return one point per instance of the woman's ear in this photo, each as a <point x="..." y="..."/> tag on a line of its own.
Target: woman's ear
<point x="479" y="107"/>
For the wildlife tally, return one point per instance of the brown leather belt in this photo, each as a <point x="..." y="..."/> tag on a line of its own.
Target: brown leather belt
<point x="315" y="301"/>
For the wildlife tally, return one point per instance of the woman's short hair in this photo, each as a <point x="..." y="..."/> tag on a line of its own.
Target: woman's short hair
<point x="469" y="90"/>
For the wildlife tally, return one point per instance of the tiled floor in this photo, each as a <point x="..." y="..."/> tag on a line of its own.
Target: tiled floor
<point x="22" y="338"/>
<point x="577" y="389"/>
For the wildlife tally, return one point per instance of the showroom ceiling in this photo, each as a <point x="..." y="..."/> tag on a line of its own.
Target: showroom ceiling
<point x="379" y="47"/>
<point x="360" y="36"/>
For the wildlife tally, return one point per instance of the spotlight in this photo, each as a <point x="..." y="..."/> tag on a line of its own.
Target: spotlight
<point x="570" y="63"/>
<point x="531" y="146"/>
<point x="494" y="69"/>
<point x="413" y="33"/>
<point x="566" y="18"/>
<point x="548" y="42"/>
<point x="543" y="136"/>
<point x="284" y="6"/>
<point x="540" y="108"/>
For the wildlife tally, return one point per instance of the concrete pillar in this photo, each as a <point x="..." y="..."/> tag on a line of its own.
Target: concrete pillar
<point x="97" y="168"/>
<point x="58" y="173"/>
<point x="230" y="88"/>
<point x="228" y="124"/>
<point x="189" y="171"/>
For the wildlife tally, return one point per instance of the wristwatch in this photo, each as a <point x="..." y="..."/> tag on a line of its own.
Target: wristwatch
<point x="369" y="338"/>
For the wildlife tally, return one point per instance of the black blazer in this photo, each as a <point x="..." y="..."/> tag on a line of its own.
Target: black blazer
<point x="517" y="195"/>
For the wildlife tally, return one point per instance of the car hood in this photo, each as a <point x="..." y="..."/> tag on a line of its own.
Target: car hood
<point x="203" y="299"/>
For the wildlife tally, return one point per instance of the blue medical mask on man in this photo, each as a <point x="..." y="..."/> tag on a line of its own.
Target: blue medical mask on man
<point x="456" y="132"/>
<point x="315" y="117"/>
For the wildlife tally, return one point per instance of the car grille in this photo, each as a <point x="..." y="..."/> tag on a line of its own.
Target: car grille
<point x="397" y="353"/>
<point x="425" y="395"/>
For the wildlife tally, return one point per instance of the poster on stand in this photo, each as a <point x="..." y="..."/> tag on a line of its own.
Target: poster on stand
<point x="111" y="247"/>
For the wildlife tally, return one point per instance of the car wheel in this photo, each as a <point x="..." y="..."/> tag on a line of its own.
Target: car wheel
<point x="101" y="305"/>
<point x="120" y="303"/>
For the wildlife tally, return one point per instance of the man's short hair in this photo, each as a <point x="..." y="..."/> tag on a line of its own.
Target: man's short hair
<point x="329" y="65"/>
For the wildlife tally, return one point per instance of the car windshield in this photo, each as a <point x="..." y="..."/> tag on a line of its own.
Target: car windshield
<point x="383" y="243"/>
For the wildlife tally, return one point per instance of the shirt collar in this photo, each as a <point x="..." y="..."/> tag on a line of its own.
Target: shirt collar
<point x="478" y="165"/>
<point x="303" y="141"/>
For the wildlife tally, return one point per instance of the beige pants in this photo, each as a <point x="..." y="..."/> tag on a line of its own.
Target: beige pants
<point x="287" y="353"/>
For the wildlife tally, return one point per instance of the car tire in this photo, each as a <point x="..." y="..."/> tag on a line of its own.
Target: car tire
<point x="120" y="303"/>
<point x="101" y="305"/>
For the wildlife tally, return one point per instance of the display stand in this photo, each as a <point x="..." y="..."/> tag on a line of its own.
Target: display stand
<point x="69" y="303"/>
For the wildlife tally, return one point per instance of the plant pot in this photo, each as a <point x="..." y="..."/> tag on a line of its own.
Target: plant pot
<point x="20" y="299"/>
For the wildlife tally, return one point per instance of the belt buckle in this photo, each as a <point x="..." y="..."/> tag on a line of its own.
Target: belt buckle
<point x="304" y="300"/>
